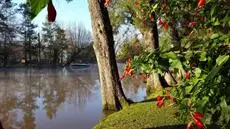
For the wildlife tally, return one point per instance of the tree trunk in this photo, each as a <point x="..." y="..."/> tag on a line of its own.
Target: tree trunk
<point x="175" y="38"/>
<point x="151" y="38"/>
<point x="25" y="48"/>
<point x="151" y="35"/>
<point x="29" y="51"/>
<point x="39" y="50"/>
<point x="111" y="89"/>
<point x="5" y="53"/>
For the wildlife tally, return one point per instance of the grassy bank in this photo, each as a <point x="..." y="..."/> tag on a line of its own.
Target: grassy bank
<point x="144" y="115"/>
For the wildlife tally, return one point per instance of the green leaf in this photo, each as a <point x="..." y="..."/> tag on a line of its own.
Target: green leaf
<point x="223" y="102"/>
<point x="222" y="59"/>
<point x="203" y="56"/>
<point x="37" y="6"/>
<point x="213" y="36"/>
<point x="197" y="72"/>
<point x="176" y="64"/>
<point x="170" y="55"/>
<point x="154" y="7"/>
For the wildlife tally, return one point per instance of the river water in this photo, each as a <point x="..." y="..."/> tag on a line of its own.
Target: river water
<point x="62" y="98"/>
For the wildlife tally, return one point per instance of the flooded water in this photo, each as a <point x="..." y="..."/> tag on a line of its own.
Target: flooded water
<point x="61" y="98"/>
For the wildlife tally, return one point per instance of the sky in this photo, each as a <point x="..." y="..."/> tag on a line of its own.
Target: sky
<point x="67" y="13"/>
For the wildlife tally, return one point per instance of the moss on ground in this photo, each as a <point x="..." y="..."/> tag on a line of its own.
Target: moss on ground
<point x="144" y="115"/>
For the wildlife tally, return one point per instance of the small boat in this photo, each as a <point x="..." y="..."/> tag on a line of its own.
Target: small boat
<point x="79" y="66"/>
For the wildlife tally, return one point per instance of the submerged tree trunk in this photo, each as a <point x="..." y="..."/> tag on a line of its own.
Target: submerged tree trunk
<point x="111" y="89"/>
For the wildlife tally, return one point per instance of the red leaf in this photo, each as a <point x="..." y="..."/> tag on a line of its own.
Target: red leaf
<point x="51" y="12"/>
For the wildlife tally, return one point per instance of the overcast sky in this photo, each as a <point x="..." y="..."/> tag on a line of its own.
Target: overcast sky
<point x="67" y="13"/>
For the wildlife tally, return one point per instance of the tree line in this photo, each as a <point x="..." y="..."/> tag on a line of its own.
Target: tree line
<point x="22" y="45"/>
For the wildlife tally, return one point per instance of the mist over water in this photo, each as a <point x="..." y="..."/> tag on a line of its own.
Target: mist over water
<point x="61" y="98"/>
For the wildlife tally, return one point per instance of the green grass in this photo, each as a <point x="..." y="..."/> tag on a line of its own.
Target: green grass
<point x="144" y="115"/>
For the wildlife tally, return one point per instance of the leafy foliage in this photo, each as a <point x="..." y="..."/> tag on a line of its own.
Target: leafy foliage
<point x="37" y="6"/>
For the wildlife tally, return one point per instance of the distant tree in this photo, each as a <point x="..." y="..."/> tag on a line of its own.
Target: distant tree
<point x="78" y="38"/>
<point x="7" y="27"/>
<point x="48" y="31"/>
<point x="60" y="45"/>
<point x="27" y="31"/>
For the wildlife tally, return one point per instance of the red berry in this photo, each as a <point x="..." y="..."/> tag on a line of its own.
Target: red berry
<point x="51" y="12"/>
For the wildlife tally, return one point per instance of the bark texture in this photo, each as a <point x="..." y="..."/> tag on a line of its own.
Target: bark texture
<point x="151" y="38"/>
<point x="111" y="89"/>
<point x="175" y="37"/>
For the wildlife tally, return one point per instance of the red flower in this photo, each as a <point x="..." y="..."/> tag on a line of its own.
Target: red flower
<point x="198" y="115"/>
<point x="201" y="3"/>
<point x="187" y="75"/>
<point x="128" y="70"/>
<point x="160" y="103"/>
<point x="189" y="126"/>
<point x="192" y="24"/>
<point x="166" y="25"/>
<point x="198" y="123"/>
<point x="159" y="98"/>
<point x="51" y="12"/>
<point x="160" y="22"/>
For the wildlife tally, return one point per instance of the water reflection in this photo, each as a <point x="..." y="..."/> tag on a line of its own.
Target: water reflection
<point x="54" y="98"/>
